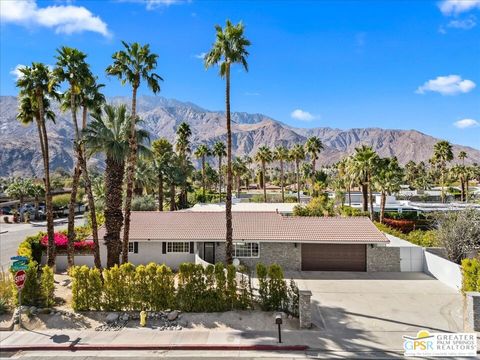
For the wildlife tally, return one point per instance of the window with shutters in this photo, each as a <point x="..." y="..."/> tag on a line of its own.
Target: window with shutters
<point x="133" y="247"/>
<point x="178" y="247"/>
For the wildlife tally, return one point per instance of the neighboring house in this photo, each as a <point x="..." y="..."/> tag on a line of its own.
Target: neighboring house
<point x="281" y="208"/>
<point x="295" y="243"/>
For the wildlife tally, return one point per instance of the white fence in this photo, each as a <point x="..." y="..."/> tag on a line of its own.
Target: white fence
<point x="444" y="270"/>
<point x="411" y="259"/>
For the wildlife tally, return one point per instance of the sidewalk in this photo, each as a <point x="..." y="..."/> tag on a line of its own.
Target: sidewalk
<point x="151" y="339"/>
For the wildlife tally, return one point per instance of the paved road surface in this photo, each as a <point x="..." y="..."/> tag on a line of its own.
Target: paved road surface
<point x="15" y="234"/>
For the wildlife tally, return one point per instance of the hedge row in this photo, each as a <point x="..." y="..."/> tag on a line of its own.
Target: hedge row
<point x="419" y="237"/>
<point x="152" y="287"/>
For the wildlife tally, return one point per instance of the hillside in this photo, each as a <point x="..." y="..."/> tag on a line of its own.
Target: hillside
<point x="20" y="154"/>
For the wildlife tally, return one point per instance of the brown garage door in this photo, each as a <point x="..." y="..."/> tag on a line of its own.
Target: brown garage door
<point x="331" y="257"/>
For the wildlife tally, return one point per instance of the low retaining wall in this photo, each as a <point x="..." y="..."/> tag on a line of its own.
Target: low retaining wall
<point x="61" y="261"/>
<point x="444" y="270"/>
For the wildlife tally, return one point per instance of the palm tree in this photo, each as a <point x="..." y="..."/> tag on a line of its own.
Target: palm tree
<point x="313" y="147"/>
<point x="462" y="155"/>
<point x="20" y="189"/>
<point x="132" y="65"/>
<point x="35" y="90"/>
<point x="281" y="154"/>
<point x="219" y="150"/>
<point x="201" y="153"/>
<point x="162" y="156"/>
<point x="442" y="153"/>
<point x="297" y="154"/>
<point x="239" y="169"/>
<point x="182" y="146"/>
<point x="108" y="133"/>
<point x="264" y="156"/>
<point x="462" y="174"/>
<point x="230" y="47"/>
<point x="365" y="162"/>
<point x="388" y="179"/>
<point x="72" y="68"/>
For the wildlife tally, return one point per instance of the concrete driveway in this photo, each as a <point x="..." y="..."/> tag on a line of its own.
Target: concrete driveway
<point x="358" y="311"/>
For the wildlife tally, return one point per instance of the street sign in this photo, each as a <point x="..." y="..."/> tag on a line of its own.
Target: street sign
<point x="19" y="278"/>
<point x="19" y="267"/>
<point x="19" y="258"/>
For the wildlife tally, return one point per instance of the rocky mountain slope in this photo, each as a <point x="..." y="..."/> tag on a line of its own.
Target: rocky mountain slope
<point x="20" y="154"/>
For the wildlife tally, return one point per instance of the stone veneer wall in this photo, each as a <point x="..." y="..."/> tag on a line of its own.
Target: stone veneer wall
<point x="383" y="258"/>
<point x="286" y="255"/>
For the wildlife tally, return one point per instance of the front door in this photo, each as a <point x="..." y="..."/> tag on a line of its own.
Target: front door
<point x="209" y="252"/>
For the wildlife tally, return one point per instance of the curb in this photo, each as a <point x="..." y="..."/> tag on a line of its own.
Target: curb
<point x="104" y="347"/>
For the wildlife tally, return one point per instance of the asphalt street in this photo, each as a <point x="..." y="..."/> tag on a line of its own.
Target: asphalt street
<point x="11" y="235"/>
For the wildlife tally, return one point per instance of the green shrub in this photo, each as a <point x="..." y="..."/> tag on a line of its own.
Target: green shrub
<point x="47" y="286"/>
<point x="86" y="288"/>
<point x="231" y="287"/>
<point x="162" y="287"/>
<point x="114" y="289"/>
<point x="273" y="293"/>
<point x="351" y="211"/>
<point x="60" y="201"/>
<point x="31" y="288"/>
<point x="471" y="275"/>
<point x="262" y="286"/>
<point x="294" y="297"/>
<point x="6" y="291"/>
<point x="319" y="206"/>
<point x="143" y="203"/>
<point x="277" y="287"/>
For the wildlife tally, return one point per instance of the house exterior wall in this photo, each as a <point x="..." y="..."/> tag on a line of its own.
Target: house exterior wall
<point x="286" y="255"/>
<point x="151" y="251"/>
<point x="383" y="258"/>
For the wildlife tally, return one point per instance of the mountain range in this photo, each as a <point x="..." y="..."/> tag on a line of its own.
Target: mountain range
<point x="20" y="152"/>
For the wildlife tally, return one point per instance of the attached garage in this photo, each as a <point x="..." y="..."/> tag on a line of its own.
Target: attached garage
<point x="334" y="257"/>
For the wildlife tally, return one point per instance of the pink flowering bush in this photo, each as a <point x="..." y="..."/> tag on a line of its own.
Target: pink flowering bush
<point x="61" y="241"/>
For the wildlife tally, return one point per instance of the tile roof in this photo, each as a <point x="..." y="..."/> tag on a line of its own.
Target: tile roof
<point x="259" y="226"/>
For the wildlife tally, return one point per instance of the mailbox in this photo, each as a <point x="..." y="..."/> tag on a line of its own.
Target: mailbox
<point x="278" y="319"/>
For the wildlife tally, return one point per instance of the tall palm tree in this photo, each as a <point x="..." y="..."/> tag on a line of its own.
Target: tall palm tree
<point x="297" y="154"/>
<point x="219" y="150"/>
<point x="91" y="99"/>
<point x="281" y="155"/>
<point x="313" y="147"/>
<point x="182" y="146"/>
<point x="36" y="88"/>
<point x="201" y="153"/>
<point x="133" y="65"/>
<point x="162" y="156"/>
<point x="365" y="163"/>
<point x="264" y="156"/>
<point x="230" y="47"/>
<point x="239" y="169"/>
<point x="443" y="154"/>
<point x="72" y="68"/>
<point x="108" y="133"/>
<point x="462" y="155"/>
<point x="388" y="179"/>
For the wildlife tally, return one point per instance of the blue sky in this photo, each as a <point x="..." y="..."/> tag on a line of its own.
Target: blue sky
<point x="342" y="64"/>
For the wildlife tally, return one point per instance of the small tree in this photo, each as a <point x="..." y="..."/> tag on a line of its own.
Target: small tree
<point x="459" y="233"/>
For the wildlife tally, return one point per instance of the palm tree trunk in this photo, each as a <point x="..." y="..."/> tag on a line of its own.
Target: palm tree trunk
<point x="228" y="200"/>
<point x="238" y="186"/>
<point x="382" y="207"/>
<point x="172" y="197"/>
<point x="91" y="205"/>
<point x="91" y="200"/>
<point x="462" y="185"/>
<point x="314" y="192"/>
<point x="219" y="179"/>
<point x="51" y="253"/>
<point x="263" y="183"/>
<point x="36" y="207"/>
<point x="71" y="215"/>
<point x="365" y="196"/>
<point x="442" y="193"/>
<point x="130" y="176"/>
<point x="297" y="171"/>
<point x="282" y="181"/>
<point x="203" y="178"/>
<point x="349" y="195"/>
<point x="467" y="179"/>
<point x="114" y="173"/>
<point x="160" y="191"/>
<point x="371" y="197"/>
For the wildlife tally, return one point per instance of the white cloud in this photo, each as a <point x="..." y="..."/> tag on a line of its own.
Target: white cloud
<point x="16" y="73"/>
<point x="456" y="7"/>
<point x="65" y="19"/>
<point x="200" y="56"/>
<point x="252" y="93"/>
<point x="465" y="24"/>
<point x="466" y="123"/>
<point x="447" y="85"/>
<point x="154" y="4"/>
<point x="302" y="115"/>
